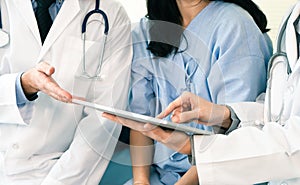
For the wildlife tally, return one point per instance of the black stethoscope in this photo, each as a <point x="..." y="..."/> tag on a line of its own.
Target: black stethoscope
<point x="85" y="20"/>
<point x="4" y="39"/>
<point x="97" y="10"/>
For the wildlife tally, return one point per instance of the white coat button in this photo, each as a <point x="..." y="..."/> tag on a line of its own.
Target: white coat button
<point x="15" y="146"/>
<point x="284" y="183"/>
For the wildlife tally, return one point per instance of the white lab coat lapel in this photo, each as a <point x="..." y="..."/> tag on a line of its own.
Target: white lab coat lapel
<point x="291" y="39"/>
<point x="25" y="8"/>
<point x="69" y="10"/>
<point x="297" y="66"/>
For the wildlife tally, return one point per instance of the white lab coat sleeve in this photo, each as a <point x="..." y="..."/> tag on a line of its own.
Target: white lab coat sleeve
<point x="86" y="159"/>
<point x="249" y="113"/>
<point x="249" y="155"/>
<point x="8" y="102"/>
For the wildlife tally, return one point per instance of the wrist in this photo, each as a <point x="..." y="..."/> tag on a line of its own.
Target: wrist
<point x="27" y="88"/>
<point x="227" y="118"/>
<point x="140" y="183"/>
<point x="140" y="178"/>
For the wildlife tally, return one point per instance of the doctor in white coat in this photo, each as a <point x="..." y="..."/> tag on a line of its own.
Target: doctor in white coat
<point x="266" y="145"/>
<point x="45" y="141"/>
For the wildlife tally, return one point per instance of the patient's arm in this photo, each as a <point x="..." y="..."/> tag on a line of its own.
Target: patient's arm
<point x="189" y="178"/>
<point x="141" y="149"/>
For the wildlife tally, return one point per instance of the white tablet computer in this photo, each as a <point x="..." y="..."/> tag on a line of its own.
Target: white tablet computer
<point x="142" y="118"/>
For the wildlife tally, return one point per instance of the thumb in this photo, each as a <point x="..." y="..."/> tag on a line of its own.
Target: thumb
<point x="45" y="68"/>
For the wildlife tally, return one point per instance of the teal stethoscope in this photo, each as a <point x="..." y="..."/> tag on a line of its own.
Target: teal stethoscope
<point x="279" y="58"/>
<point x="4" y="40"/>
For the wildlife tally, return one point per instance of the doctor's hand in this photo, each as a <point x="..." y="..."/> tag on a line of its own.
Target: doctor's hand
<point x="40" y="78"/>
<point x="190" y="107"/>
<point x="177" y="141"/>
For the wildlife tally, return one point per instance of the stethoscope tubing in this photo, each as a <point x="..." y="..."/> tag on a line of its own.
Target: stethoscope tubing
<point x="1" y="26"/>
<point x="279" y="53"/>
<point x="99" y="11"/>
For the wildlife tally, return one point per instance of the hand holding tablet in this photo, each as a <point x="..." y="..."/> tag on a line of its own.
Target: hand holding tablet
<point x="142" y="118"/>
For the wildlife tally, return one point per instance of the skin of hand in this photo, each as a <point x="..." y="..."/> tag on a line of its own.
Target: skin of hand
<point x="190" y="107"/>
<point x="189" y="178"/>
<point x="177" y="141"/>
<point x="40" y="78"/>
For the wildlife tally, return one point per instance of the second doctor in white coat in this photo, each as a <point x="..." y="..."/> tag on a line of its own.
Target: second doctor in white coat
<point x="265" y="147"/>
<point x="46" y="141"/>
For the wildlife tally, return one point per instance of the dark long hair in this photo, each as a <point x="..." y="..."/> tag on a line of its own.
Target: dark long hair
<point x="165" y="40"/>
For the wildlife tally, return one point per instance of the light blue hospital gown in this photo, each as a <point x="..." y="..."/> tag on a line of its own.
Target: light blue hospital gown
<point x="223" y="59"/>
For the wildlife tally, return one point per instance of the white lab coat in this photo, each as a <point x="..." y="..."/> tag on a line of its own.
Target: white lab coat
<point x="259" y="151"/>
<point x="46" y="141"/>
<point x="250" y="155"/>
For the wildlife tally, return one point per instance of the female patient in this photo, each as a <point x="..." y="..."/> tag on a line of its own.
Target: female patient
<point x="214" y="49"/>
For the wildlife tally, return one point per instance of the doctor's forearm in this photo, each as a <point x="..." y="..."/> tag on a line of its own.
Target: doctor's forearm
<point x="20" y="95"/>
<point x="226" y="123"/>
<point x="230" y="123"/>
<point x="249" y="147"/>
<point x="227" y="118"/>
